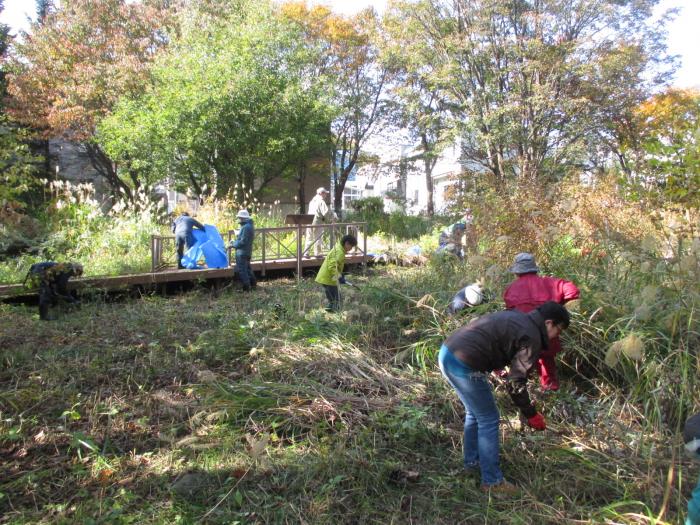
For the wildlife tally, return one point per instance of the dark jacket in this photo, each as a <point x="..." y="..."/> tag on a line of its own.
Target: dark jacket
<point x="509" y="338"/>
<point x="244" y="243"/>
<point x="52" y="278"/>
<point x="182" y="227"/>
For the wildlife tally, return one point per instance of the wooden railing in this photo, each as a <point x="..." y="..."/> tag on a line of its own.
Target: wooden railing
<point x="272" y="244"/>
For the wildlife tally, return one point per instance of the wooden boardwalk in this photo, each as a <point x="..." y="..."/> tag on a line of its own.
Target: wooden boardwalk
<point x="282" y="249"/>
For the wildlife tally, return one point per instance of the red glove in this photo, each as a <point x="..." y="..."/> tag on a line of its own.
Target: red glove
<point x="537" y="422"/>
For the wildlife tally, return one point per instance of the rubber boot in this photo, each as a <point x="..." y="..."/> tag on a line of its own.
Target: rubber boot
<point x="44" y="313"/>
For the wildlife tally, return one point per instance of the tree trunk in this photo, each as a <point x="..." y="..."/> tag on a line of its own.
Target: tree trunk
<point x="429" y="165"/>
<point x="429" y="162"/>
<point x="106" y="168"/>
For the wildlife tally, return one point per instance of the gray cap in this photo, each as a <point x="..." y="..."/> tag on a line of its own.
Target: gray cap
<point x="524" y="263"/>
<point x="691" y="430"/>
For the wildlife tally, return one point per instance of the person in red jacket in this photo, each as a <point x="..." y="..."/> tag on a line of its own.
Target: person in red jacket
<point x="528" y="292"/>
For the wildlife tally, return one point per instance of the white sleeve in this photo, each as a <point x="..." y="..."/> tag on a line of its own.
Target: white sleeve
<point x="312" y="207"/>
<point x="323" y="210"/>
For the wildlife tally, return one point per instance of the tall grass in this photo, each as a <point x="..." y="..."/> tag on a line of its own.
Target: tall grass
<point x="74" y="226"/>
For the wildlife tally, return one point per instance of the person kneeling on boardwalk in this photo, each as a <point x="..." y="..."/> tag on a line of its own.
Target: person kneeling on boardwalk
<point x="182" y="228"/>
<point x="244" y="250"/>
<point x="331" y="273"/>
<point x="52" y="279"/>
<point x="528" y="292"/>
<point x="466" y="358"/>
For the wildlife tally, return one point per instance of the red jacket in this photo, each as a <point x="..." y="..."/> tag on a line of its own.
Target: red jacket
<point x="530" y="290"/>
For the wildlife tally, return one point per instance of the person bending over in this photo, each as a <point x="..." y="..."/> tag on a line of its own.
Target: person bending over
<point x="492" y="342"/>
<point x="182" y="228"/>
<point x="52" y="279"/>
<point x="331" y="273"/>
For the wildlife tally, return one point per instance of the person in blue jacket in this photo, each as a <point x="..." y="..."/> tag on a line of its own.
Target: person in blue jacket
<point x="244" y="250"/>
<point x="691" y="436"/>
<point x="182" y="228"/>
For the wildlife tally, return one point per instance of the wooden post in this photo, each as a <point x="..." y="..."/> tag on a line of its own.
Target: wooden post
<point x="264" y="237"/>
<point x="364" y="246"/>
<point x="153" y="254"/>
<point x="300" y="249"/>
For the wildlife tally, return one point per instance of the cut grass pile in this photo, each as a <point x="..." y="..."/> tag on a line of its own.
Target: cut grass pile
<point x="219" y="407"/>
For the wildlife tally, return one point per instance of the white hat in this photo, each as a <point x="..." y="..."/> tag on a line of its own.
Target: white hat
<point x="474" y="294"/>
<point x="243" y="214"/>
<point x="321" y="191"/>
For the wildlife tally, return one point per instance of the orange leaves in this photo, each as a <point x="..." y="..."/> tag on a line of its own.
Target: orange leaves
<point x="670" y="108"/>
<point x="671" y="117"/>
<point x="72" y="70"/>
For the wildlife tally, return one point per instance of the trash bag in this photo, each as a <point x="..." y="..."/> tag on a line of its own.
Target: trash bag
<point x="208" y="244"/>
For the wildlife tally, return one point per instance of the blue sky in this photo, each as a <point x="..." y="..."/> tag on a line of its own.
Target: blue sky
<point x="683" y="37"/>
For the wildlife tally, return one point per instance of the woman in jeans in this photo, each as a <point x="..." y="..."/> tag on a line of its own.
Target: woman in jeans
<point x="469" y="354"/>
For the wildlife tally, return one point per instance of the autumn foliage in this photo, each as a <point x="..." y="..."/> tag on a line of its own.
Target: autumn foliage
<point x="69" y="72"/>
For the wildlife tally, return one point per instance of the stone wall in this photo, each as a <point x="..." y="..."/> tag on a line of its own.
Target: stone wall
<point x="70" y="161"/>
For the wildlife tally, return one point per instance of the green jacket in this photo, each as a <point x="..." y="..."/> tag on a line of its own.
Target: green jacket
<point x="332" y="267"/>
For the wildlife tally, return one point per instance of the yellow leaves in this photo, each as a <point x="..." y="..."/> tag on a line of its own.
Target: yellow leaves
<point x="668" y="109"/>
<point x="321" y="23"/>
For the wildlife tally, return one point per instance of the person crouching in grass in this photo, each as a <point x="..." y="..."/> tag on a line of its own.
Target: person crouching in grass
<point x="331" y="273"/>
<point x="466" y="358"/>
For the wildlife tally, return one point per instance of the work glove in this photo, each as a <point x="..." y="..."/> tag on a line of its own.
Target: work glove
<point x="537" y="422"/>
<point x="341" y="279"/>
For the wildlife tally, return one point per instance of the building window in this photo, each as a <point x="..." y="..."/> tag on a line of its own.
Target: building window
<point x="349" y="195"/>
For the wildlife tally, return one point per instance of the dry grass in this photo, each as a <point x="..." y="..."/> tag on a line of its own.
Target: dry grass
<point x="221" y="408"/>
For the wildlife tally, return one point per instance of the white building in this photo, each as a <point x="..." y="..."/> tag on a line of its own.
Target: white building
<point x="398" y="179"/>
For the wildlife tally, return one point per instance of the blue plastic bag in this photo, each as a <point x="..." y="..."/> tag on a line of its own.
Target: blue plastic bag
<point x="214" y="249"/>
<point x="208" y="244"/>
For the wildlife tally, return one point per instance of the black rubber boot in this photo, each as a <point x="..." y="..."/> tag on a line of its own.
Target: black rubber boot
<point x="44" y="313"/>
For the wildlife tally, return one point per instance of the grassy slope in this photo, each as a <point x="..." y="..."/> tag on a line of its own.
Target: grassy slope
<point x="223" y="407"/>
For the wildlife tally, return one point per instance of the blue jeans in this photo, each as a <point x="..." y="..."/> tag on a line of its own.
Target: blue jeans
<point x="481" y="420"/>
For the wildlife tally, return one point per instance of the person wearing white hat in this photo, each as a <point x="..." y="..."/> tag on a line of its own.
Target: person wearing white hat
<point x="244" y="250"/>
<point x="318" y="207"/>
<point x="471" y="295"/>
